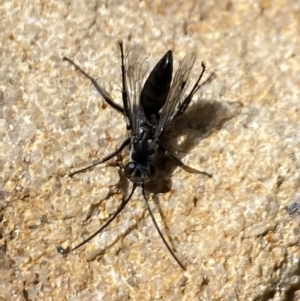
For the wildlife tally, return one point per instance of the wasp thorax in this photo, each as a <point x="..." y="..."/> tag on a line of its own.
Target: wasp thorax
<point x="139" y="173"/>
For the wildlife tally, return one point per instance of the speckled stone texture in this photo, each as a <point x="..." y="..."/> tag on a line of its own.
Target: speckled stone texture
<point x="233" y="232"/>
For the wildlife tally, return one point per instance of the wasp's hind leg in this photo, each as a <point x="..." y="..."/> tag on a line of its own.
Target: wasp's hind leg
<point x="103" y="93"/>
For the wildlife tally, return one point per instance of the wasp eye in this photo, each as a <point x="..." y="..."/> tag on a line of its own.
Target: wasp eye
<point x="129" y="169"/>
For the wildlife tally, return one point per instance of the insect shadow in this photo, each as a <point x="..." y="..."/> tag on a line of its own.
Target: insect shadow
<point x="149" y="110"/>
<point x="199" y="121"/>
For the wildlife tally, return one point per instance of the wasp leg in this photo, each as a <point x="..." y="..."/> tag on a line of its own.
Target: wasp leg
<point x="181" y="164"/>
<point x="124" y="144"/>
<point x="103" y="93"/>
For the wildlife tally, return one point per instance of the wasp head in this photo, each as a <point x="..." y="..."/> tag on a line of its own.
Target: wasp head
<point x="139" y="173"/>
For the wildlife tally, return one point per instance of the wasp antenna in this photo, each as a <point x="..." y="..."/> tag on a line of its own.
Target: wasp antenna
<point x="121" y="46"/>
<point x="122" y="206"/>
<point x="160" y="233"/>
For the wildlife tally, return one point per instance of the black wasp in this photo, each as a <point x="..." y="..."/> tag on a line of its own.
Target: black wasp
<point x="149" y="109"/>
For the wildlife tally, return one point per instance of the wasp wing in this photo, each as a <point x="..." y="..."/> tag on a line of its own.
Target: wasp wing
<point x="136" y="68"/>
<point x="176" y="94"/>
